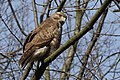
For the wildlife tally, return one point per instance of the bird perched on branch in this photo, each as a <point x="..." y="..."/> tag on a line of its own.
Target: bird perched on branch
<point x="43" y="40"/>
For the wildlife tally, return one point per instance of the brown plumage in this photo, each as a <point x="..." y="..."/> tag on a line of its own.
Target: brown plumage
<point x="43" y="40"/>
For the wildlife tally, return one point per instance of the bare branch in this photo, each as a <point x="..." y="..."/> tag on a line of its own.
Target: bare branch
<point x="9" y="1"/>
<point x="67" y="65"/>
<point x="61" y="6"/>
<point x="89" y="26"/>
<point x="27" y="70"/>
<point x="35" y="13"/>
<point x="11" y="31"/>
<point x="91" y="45"/>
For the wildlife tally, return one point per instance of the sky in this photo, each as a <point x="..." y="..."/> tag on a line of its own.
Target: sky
<point x="113" y="28"/>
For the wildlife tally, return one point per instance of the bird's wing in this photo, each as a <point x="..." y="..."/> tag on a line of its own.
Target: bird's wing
<point x="38" y="38"/>
<point x="31" y="36"/>
<point x="40" y="35"/>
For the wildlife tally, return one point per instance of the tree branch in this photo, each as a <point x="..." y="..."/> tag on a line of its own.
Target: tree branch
<point x="18" y="24"/>
<point x="10" y="30"/>
<point x="61" y="6"/>
<point x="35" y="13"/>
<point x="67" y="65"/>
<point x="91" y="45"/>
<point x="86" y="28"/>
<point x="27" y="70"/>
<point x="37" y="75"/>
<point x="43" y="12"/>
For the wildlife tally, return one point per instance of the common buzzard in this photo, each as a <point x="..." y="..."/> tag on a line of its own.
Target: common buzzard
<point x="43" y="40"/>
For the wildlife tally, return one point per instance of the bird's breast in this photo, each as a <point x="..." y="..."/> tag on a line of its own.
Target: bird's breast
<point x="41" y="53"/>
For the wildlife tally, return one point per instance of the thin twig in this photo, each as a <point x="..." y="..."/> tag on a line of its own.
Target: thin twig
<point x="10" y="30"/>
<point x="35" y="13"/>
<point x="18" y="24"/>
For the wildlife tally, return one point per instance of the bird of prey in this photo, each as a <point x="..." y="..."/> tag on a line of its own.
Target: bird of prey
<point x="43" y="40"/>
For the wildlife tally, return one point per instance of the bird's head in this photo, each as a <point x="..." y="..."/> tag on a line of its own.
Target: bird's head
<point x="60" y="17"/>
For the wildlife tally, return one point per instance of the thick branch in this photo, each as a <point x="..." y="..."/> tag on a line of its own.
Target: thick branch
<point x="67" y="65"/>
<point x="87" y="28"/>
<point x="91" y="45"/>
<point x="61" y="6"/>
<point x="37" y="76"/>
<point x="71" y="41"/>
<point x="27" y="70"/>
<point x="47" y="74"/>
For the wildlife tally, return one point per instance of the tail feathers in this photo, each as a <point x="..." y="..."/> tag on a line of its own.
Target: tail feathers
<point x="24" y="60"/>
